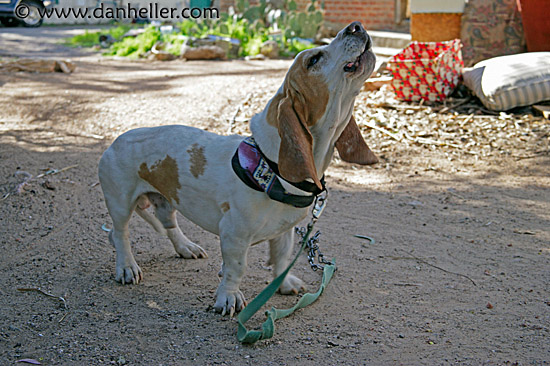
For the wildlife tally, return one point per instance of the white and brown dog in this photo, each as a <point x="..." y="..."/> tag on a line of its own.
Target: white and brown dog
<point x="190" y="170"/>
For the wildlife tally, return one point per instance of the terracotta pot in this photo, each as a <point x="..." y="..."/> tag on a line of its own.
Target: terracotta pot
<point x="535" y="15"/>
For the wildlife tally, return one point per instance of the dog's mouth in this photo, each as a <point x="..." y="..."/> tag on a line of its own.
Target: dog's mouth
<point x="352" y="66"/>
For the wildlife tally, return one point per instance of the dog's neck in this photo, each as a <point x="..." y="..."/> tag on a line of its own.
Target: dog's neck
<point x="266" y="136"/>
<point x="324" y="136"/>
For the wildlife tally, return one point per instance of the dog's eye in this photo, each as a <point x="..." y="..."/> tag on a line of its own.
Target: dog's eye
<point x="313" y="60"/>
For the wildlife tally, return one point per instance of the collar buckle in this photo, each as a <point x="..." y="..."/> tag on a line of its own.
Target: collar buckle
<point x="319" y="204"/>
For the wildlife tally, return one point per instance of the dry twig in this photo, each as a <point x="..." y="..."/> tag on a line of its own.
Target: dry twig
<point x="445" y="109"/>
<point x="27" y="178"/>
<point x="437" y="267"/>
<point x="384" y="131"/>
<point x="423" y="140"/>
<point x="37" y="289"/>
<point x="466" y="120"/>
<point x="55" y="171"/>
<point x="534" y="155"/>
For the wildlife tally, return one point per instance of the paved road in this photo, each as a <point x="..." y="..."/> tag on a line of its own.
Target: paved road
<point x="40" y="42"/>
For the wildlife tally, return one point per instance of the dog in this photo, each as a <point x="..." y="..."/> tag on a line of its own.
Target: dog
<point x="201" y="174"/>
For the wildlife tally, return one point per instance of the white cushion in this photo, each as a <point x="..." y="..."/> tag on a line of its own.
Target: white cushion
<point x="505" y="82"/>
<point x="437" y="6"/>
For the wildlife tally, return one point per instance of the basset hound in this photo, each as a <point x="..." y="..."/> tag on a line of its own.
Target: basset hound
<point x="208" y="177"/>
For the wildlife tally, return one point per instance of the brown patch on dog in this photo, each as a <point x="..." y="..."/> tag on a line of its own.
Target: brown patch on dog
<point x="163" y="175"/>
<point x="197" y="160"/>
<point x="225" y="207"/>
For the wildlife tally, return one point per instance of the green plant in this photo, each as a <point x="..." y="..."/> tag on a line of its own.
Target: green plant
<point x="253" y="46"/>
<point x="119" y="31"/>
<point x="90" y="39"/>
<point x="295" y="46"/>
<point x="251" y="25"/>
<point x="193" y="28"/>
<point x="251" y="36"/>
<point x="264" y="19"/>
<point x="134" y="47"/>
<point x="174" y="43"/>
<point x="299" y="24"/>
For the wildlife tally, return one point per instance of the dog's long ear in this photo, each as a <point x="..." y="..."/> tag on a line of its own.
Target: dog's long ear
<point x="296" y="151"/>
<point x="352" y="147"/>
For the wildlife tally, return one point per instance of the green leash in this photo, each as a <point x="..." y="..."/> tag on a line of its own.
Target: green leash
<point x="268" y="327"/>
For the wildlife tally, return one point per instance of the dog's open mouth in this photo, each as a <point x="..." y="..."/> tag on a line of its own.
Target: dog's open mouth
<point x="353" y="66"/>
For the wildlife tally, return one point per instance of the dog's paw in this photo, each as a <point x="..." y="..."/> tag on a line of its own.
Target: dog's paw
<point x="129" y="274"/>
<point x="229" y="302"/>
<point x="292" y="285"/>
<point x="190" y="250"/>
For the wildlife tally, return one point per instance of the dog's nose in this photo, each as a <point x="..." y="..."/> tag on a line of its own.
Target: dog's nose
<point x="355" y="28"/>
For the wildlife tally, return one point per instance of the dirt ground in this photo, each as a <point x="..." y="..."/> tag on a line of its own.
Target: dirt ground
<point x="458" y="274"/>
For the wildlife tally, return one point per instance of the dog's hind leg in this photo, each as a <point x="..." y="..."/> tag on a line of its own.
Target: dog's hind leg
<point x="280" y="252"/>
<point x="165" y="216"/>
<point x="142" y="204"/>
<point x="121" y="206"/>
<point x="127" y="270"/>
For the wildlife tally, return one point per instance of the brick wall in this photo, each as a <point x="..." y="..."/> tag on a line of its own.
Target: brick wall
<point x="225" y="4"/>
<point x="374" y="14"/>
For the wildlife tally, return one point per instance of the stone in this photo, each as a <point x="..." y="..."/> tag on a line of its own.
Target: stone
<point x="270" y="49"/>
<point x="38" y="65"/>
<point x="158" y="53"/>
<point x="202" y="53"/>
<point x="229" y="45"/>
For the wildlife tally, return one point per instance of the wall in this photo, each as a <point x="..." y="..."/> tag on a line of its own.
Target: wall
<point x="374" y="14"/>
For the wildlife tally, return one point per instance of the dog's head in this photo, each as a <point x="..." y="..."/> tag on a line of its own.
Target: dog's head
<point x="317" y="98"/>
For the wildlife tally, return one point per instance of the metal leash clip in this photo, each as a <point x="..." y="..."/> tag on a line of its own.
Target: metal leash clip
<point x="319" y="204"/>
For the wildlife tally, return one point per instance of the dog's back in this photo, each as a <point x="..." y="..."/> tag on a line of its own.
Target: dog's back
<point x="173" y="161"/>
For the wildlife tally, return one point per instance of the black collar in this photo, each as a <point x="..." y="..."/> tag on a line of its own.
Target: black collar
<point x="262" y="178"/>
<point x="303" y="185"/>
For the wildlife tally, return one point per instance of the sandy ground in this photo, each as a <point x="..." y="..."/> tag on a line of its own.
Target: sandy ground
<point x="458" y="274"/>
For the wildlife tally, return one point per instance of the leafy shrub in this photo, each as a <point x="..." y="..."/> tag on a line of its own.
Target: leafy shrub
<point x="90" y="39"/>
<point x="295" y="46"/>
<point x="134" y="47"/>
<point x="173" y="43"/>
<point x="251" y="25"/>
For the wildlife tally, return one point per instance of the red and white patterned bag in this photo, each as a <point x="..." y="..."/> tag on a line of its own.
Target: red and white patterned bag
<point x="426" y="70"/>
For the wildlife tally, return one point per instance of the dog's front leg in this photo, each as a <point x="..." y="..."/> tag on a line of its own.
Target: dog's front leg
<point x="228" y="296"/>
<point x="280" y="255"/>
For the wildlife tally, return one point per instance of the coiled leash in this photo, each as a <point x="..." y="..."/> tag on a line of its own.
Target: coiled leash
<point x="328" y="267"/>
